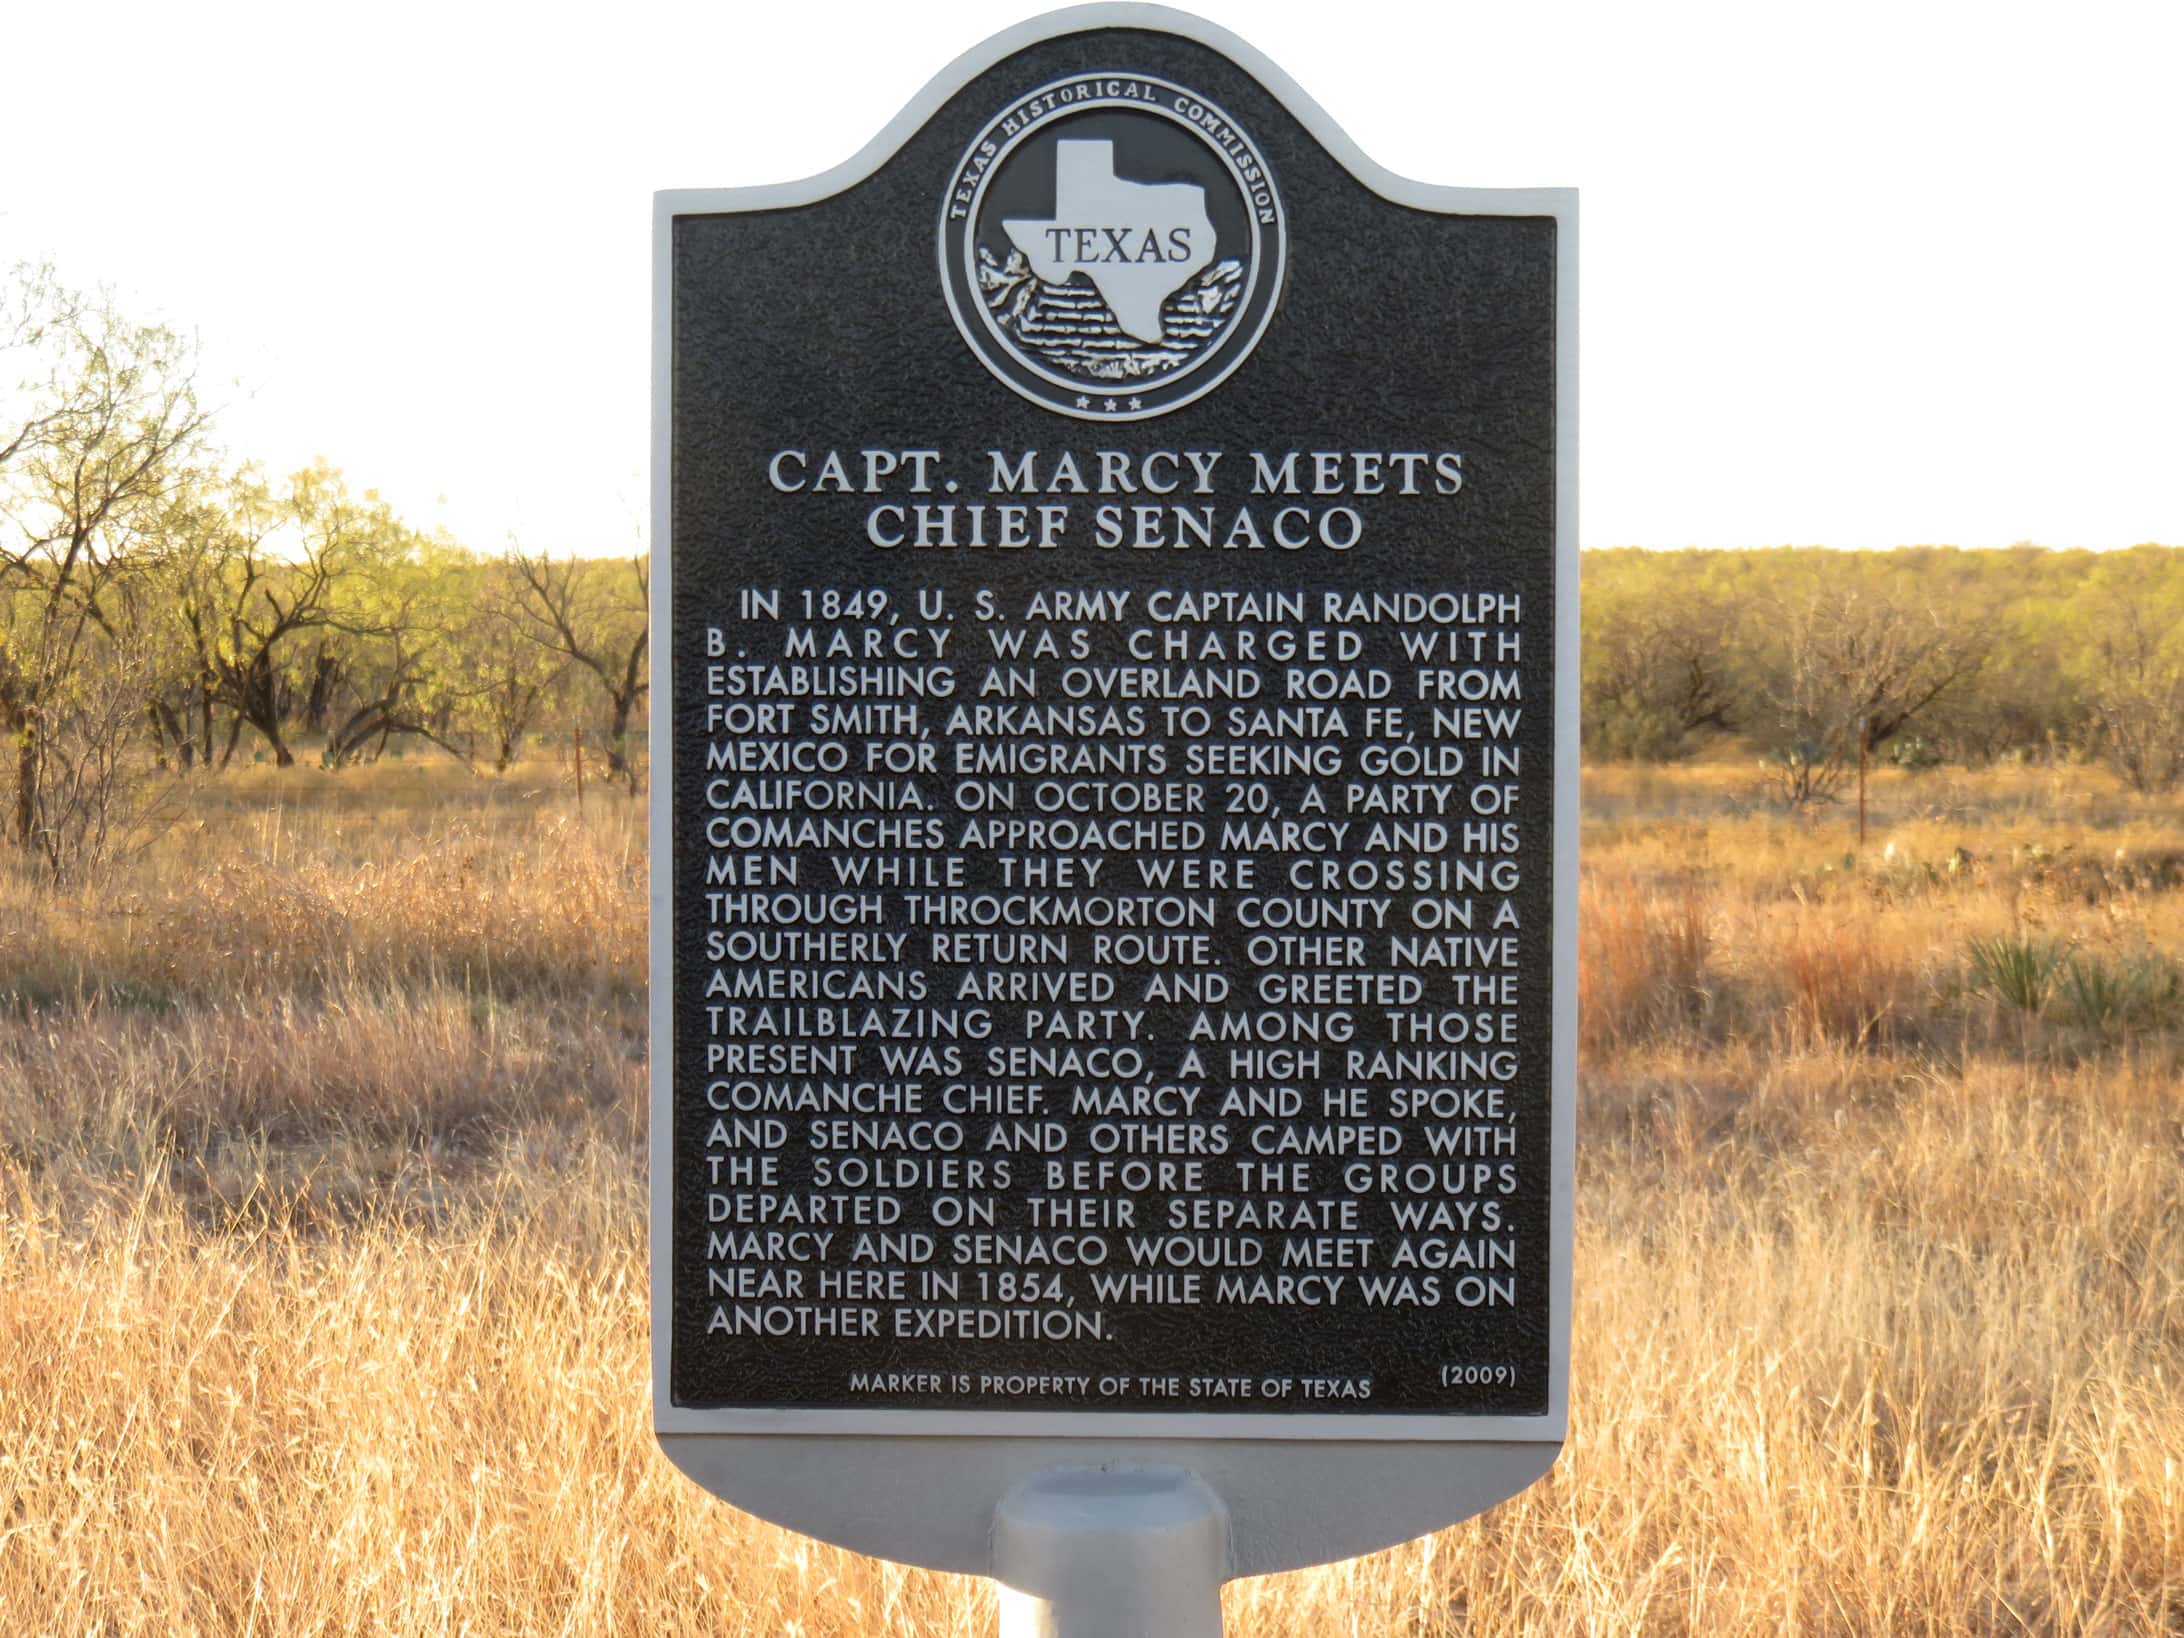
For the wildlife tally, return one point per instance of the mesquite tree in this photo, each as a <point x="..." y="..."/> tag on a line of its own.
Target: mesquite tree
<point x="594" y="615"/>
<point x="99" y="425"/>
<point x="282" y="571"/>
<point x="1851" y="667"/>
<point x="2133" y="668"/>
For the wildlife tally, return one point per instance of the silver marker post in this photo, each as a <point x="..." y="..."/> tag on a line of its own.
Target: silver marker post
<point x="1111" y="1552"/>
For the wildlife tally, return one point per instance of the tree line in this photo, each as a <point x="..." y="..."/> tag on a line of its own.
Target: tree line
<point x="163" y="609"/>
<point x="1913" y="658"/>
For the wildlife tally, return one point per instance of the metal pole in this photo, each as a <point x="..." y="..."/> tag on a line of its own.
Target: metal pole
<point x="1865" y="729"/>
<point x="1111" y="1552"/>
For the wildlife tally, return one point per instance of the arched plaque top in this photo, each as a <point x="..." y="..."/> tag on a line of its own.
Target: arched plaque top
<point x="1098" y="17"/>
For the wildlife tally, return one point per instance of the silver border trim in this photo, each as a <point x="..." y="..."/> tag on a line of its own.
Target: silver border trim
<point x="1558" y="203"/>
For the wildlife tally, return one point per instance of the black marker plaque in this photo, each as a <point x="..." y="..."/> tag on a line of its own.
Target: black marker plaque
<point x="1111" y="772"/>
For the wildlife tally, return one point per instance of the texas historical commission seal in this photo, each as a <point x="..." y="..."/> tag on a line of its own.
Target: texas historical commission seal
<point x="1112" y="246"/>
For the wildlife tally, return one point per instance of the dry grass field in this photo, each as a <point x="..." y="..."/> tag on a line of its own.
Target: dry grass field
<point x="322" y="1305"/>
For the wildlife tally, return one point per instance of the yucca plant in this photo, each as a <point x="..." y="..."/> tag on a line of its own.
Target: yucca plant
<point x="2094" y="993"/>
<point x="2017" y="969"/>
<point x="2142" y="989"/>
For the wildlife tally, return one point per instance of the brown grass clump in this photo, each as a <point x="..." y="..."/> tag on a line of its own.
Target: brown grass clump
<point x="1845" y="979"/>
<point x="325" y="1306"/>
<point x="1641" y="957"/>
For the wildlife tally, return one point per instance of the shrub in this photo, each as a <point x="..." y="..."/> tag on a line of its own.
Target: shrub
<point x="2136" y="992"/>
<point x="2016" y="969"/>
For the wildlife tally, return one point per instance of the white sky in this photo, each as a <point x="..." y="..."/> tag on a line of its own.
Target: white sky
<point x="1853" y="274"/>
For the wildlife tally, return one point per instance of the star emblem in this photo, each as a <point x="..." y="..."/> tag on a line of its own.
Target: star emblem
<point x="1110" y="406"/>
<point x="1137" y="403"/>
<point x="1083" y="402"/>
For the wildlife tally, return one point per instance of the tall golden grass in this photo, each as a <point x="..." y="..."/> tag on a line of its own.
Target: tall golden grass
<point x="322" y="1300"/>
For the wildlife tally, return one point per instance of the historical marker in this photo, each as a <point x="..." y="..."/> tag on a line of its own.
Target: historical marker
<point x="1114" y="833"/>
